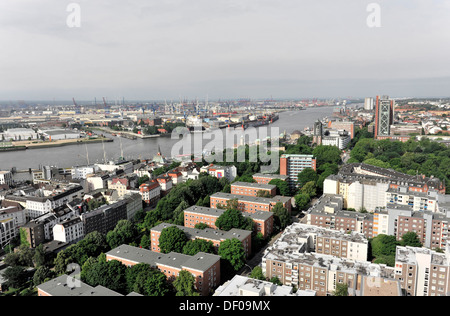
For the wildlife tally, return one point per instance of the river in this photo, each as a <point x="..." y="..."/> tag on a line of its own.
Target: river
<point x="73" y="155"/>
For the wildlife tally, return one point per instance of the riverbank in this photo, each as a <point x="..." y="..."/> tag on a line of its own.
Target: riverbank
<point x="23" y="145"/>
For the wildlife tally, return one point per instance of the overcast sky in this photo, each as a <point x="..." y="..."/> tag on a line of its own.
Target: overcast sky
<point x="157" y="49"/>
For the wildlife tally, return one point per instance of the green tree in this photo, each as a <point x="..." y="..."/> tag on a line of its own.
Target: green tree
<point x="282" y="187"/>
<point x="233" y="252"/>
<point x="341" y="290"/>
<point x="411" y="239"/>
<point x="154" y="283"/>
<point x="302" y="200"/>
<point x="172" y="239"/>
<point x="110" y="274"/>
<point x="258" y="274"/>
<point x="193" y="247"/>
<point x="42" y="275"/>
<point x="281" y="217"/>
<point x="15" y="277"/>
<point x="39" y="256"/>
<point x="232" y="218"/>
<point x="307" y="175"/>
<point x="309" y="188"/>
<point x="125" y="232"/>
<point x="275" y="280"/>
<point x="185" y="284"/>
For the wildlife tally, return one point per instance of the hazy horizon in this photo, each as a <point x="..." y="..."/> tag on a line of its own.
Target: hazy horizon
<point x="223" y="49"/>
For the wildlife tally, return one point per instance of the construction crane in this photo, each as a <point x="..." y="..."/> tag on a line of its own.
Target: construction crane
<point x="104" y="102"/>
<point x="74" y="103"/>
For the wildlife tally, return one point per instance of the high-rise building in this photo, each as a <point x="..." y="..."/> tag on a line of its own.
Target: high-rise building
<point x="318" y="133"/>
<point x="292" y="165"/>
<point x="368" y="104"/>
<point x="384" y="116"/>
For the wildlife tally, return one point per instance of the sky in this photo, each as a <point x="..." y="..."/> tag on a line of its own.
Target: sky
<point x="167" y="49"/>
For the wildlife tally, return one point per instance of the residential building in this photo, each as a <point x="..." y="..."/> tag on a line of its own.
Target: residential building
<point x="204" y="267"/>
<point x="423" y="272"/>
<point x="253" y="189"/>
<point x="213" y="235"/>
<point x="292" y="165"/>
<point x="69" y="231"/>
<point x="198" y="214"/>
<point x="265" y="178"/>
<point x="6" y="178"/>
<point x="229" y="172"/>
<point x="243" y="286"/>
<point x="150" y="192"/>
<point x="249" y="203"/>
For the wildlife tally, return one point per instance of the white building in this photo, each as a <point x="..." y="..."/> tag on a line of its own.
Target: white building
<point x="60" y="134"/>
<point x="229" y="172"/>
<point x="339" y="139"/>
<point x="6" y="178"/>
<point x="71" y="230"/>
<point x="11" y="218"/>
<point x="244" y="286"/>
<point x="80" y="172"/>
<point x="17" y="134"/>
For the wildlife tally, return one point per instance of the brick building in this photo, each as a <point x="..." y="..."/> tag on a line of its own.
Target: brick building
<point x="197" y="214"/>
<point x="204" y="267"/>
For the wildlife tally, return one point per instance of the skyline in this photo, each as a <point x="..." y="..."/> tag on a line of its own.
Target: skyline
<point x="156" y="50"/>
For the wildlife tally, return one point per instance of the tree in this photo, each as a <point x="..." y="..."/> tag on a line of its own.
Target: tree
<point x="282" y="187"/>
<point x="275" y="280"/>
<point x="145" y="241"/>
<point x="42" y="275"/>
<point x="153" y="283"/>
<point x="39" y="256"/>
<point x="341" y="290"/>
<point x="124" y="233"/>
<point x="258" y="274"/>
<point x="302" y="200"/>
<point x="263" y="193"/>
<point x="307" y="175"/>
<point x="232" y="218"/>
<point x="133" y="272"/>
<point x="309" y="188"/>
<point x="15" y="276"/>
<point x="185" y="284"/>
<point x="110" y="274"/>
<point x="172" y="239"/>
<point x="233" y="252"/>
<point x="201" y="226"/>
<point x="411" y="239"/>
<point x="281" y="217"/>
<point x="193" y="247"/>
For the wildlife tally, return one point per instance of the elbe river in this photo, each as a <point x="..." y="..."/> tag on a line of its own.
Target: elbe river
<point x="73" y="155"/>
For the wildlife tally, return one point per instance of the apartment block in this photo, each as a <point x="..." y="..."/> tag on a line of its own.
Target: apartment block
<point x="204" y="267"/>
<point x="243" y="286"/>
<point x="253" y="189"/>
<point x="150" y="192"/>
<point x="249" y="203"/>
<point x="198" y="214"/>
<point x="69" y="231"/>
<point x="104" y="218"/>
<point x="423" y="272"/>
<point x="322" y="273"/>
<point x="213" y="235"/>
<point x="292" y="165"/>
<point x="265" y="178"/>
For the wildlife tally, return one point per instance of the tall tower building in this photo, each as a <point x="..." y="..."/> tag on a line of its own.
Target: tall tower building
<point x="368" y="104"/>
<point x="384" y="116"/>
<point x="318" y="133"/>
